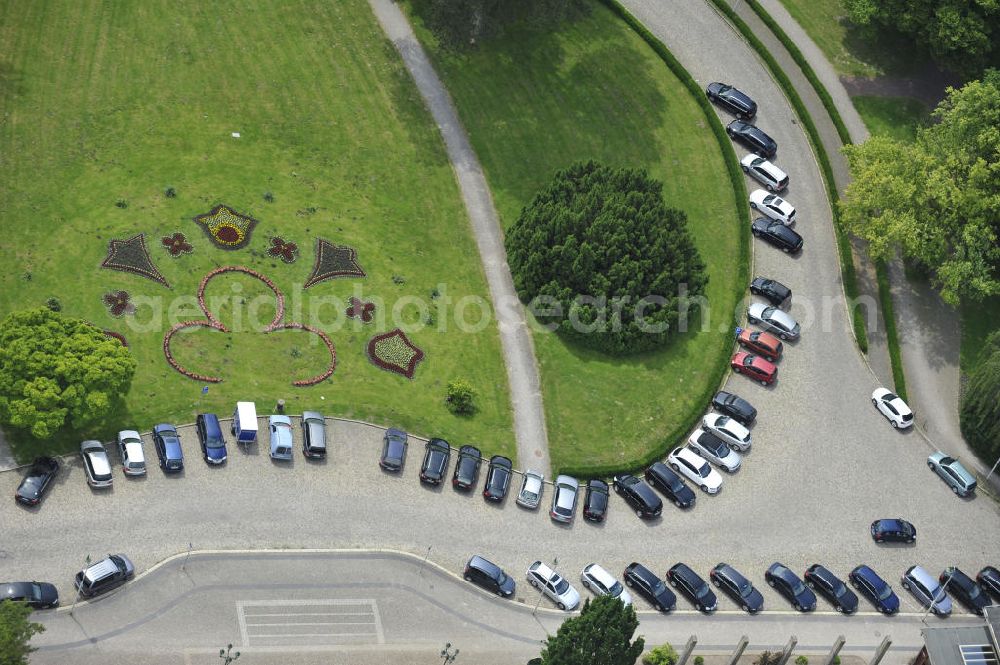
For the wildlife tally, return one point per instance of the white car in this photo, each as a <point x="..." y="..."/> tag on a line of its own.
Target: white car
<point x="727" y="429"/>
<point x="130" y="448"/>
<point x="764" y="172"/>
<point x="553" y="585"/>
<point x="602" y="583"/>
<point x="692" y="466"/>
<point x="773" y="320"/>
<point x="531" y="490"/>
<point x="893" y="408"/>
<point x="773" y="206"/>
<point x="715" y="450"/>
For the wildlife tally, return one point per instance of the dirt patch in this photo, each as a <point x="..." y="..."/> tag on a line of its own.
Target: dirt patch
<point x="928" y="85"/>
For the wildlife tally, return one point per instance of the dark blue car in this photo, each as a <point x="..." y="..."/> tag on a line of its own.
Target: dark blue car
<point x="791" y="587"/>
<point x="168" y="447"/>
<point x="213" y="446"/>
<point x="875" y="589"/>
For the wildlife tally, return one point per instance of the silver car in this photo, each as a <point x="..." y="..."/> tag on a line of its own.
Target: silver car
<point x="773" y="320"/>
<point x="564" y="498"/>
<point x="96" y="464"/>
<point x="553" y="585"/>
<point x="603" y="583"/>
<point x="736" y="435"/>
<point x="531" y="490"/>
<point x="953" y="473"/>
<point x="281" y="437"/>
<point x="313" y="435"/>
<point x="130" y="449"/>
<point x="927" y="590"/>
<point x="715" y="450"/>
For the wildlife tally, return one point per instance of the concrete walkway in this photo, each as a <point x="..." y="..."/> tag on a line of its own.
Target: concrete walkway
<point x="515" y="338"/>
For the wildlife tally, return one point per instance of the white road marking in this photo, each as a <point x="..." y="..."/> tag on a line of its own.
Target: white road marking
<point x="305" y="616"/>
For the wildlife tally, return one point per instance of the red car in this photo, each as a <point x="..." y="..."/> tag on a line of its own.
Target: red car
<point x="755" y="367"/>
<point x="762" y="343"/>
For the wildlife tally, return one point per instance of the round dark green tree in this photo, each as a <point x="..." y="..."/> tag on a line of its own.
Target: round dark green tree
<point x="980" y="415"/>
<point x="599" y="256"/>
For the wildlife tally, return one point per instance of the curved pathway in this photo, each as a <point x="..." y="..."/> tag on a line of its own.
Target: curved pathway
<point x="515" y="338"/>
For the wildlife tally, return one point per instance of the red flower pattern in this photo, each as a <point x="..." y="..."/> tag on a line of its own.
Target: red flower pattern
<point x="360" y="309"/>
<point x="118" y="303"/>
<point x="286" y="251"/>
<point x="177" y="244"/>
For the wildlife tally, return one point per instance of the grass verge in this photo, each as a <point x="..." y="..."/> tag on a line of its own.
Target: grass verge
<point x="895" y="117"/>
<point x="891" y="333"/>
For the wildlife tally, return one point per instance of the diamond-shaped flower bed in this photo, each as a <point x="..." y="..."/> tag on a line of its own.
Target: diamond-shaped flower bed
<point x="333" y="261"/>
<point x="394" y="352"/>
<point x="132" y="256"/>
<point x="226" y="228"/>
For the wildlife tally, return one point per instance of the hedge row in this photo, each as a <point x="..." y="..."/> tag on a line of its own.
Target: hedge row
<point x="678" y="434"/>
<point x="891" y="333"/>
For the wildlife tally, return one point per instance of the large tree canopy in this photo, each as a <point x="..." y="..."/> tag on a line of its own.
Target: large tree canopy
<point x="16" y="630"/>
<point x="609" y="264"/>
<point x="459" y="23"/>
<point x="56" y="370"/>
<point x="980" y="415"/>
<point x="938" y="198"/>
<point x="601" y="635"/>
<point x="962" y="35"/>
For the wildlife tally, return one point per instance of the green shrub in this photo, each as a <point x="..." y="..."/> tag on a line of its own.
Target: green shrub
<point x="699" y="660"/>
<point x="54" y="304"/>
<point x="665" y="654"/>
<point x="460" y="397"/>
<point x="121" y="203"/>
<point x="801" y="660"/>
<point x="980" y="414"/>
<point x="768" y="658"/>
<point x="170" y="192"/>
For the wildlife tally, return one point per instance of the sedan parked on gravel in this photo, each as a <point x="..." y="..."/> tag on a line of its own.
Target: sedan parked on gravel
<point x="36" y="595"/>
<point x="729" y="98"/>
<point x="595" y="501"/>
<point x="775" y="292"/>
<point x="777" y="234"/>
<point x="965" y="589"/>
<point x="773" y="319"/>
<point x="394" y="444"/>
<point x="761" y="343"/>
<point x="603" y="583"/>
<point x="281" y="437"/>
<point x="564" y="498"/>
<point x="553" y="585"/>
<point x="36" y="482"/>
<point x="655" y="590"/>
<point x="723" y="427"/>
<point x="737" y="587"/>
<point x="762" y="371"/>
<point x="466" y="468"/>
<point x="96" y="464"/>
<point x="736" y="407"/>
<point x="691" y="585"/>
<point x="753" y="138"/>
<point x="437" y="455"/>
<point x="313" y="435"/>
<point x="213" y="445"/>
<point x="531" y="490"/>
<point x="788" y="584"/>
<point x="693" y="467"/>
<point x="953" y="473"/>
<point x="893" y="408"/>
<point x="168" y="448"/>
<point x="773" y="206"/>
<point x="498" y="478"/>
<point x="638" y="495"/>
<point x="663" y="478"/>
<point x="483" y="572"/>
<point x="926" y="589"/>
<point x="764" y="172"/>
<point x="875" y="589"/>
<point x="989" y="580"/>
<point x="893" y="530"/>
<point x="832" y="588"/>
<point x="130" y="449"/>
<point x="715" y="450"/>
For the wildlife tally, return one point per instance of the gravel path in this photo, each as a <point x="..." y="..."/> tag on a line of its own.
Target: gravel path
<point x="515" y="338"/>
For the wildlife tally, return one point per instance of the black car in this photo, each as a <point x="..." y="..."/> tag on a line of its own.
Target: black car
<point x="642" y="579"/>
<point x="875" y="589"/>
<point x="832" y="588"/>
<point x="32" y="489"/>
<point x="777" y="234"/>
<point x="394" y="445"/>
<point x="752" y="137"/>
<point x="732" y="100"/>
<point x="466" y="468"/>
<point x="775" y="292"/>
<point x="691" y="585"/>
<point x="437" y="454"/>
<point x="498" y="478"/>
<point x="663" y="478"/>
<point x="989" y="579"/>
<point x="639" y="495"/>
<point x="734" y="406"/>
<point x="490" y="576"/>
<point x="595" y="503"/>
<point x="37" y="595"/>
<point x="168" y="448"/>
<point x="737" y="587"/>
<point x="965" y="589"/>
<point x="791" y="587"/>
<point x="895" y="530"/>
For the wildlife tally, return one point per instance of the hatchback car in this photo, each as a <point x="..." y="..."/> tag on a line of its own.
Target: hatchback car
<point x="774" y="320"/>
<point x="564" y="498"/>
<point x="490" y="576"/>
<point x="773" y="206"/>
<point x="777" y="234"/>
<point x="693" y="467"/>
<point x="736" y="102"/>
<point x="663" y="478"/>
<point x="989" y="580"/>
<point x="761" y="343"/>
<point x="531" y="490"/>
<point x="281" y="437"/>
<point x="875" y="589"/>
<point x="764" y="172"/>
<point x="723" y="427"/>
<point x="953" y="473"/>
<point x="104" y="575"/>
<point x="893" y="408"/>
<point x="753" y="138"/>
<point x="466" y="468"/>
<point x="734" y="406"/>
<point x="893" y="531"/>
<point x="832" y="588"/>
<point x="715" y="450"/>
<point x="737" y="587"/>
<point x="498" y="478"/>
<point x="643" y="580"/>
<point x="965" y="589"/>
<point x="788" y="584"/>
<point x="437" y="455"/>
<point x="775" y="292"/>
<point x="313" y="435"/>
<point x="96" y="464"/>
<point x="691" y="585"/>
<point x="130" y="449"/>
<point x="926" y="589"/>
<point x="553" y="585"/>
<point x="213" y="445"/>
<point x="36" y="595"/>
<point x="36" y="482"/>
<point x="595" y="500"/>
<point x="638" y="495"/>
<point x="394" y="444"/>
<point x="603" y="583"/>
<point x="762" y="371"/>
<point x="168" y="448"/>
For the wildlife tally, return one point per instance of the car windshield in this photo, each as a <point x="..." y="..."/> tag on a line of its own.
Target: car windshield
<point x="37" y="590"/>
<point x="214" y="443"/>
<point x="758" y="162"/>
<point x="885" y="592"/>
<point x="973" y="591"/>
<point x="771" y="198"/>
<point x="704" y="470"/>
<point x="703" y="590"/>
<point x="502" y="578"/>
<point x="839" y="590"/>
<point x="659" y="588"/>
<point x="560" y="584"/>
<point x="616" y="589"/>
<point x="798" y="588"/>
<point x="528" y="495"/>
<point x="721" y="421"/>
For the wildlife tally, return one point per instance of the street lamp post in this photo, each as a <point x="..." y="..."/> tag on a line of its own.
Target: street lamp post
<point x="555" y="564"/>
<point x="86" y="565"/>
<point x="224" y="654"/>
<point x="448" y="654"/>
<point x="944" y="590"/>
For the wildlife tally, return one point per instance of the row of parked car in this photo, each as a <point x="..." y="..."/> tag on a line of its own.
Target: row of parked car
<point x="931" y="592"/>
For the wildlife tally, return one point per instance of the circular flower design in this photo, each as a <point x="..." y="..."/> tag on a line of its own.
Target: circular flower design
<point x="286" y="251"/>
<point x="177" y="244"/>
<point x="228" y="234"/>
<point x="118" y="303"/>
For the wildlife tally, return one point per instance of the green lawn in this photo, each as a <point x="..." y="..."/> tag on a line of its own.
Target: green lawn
<point x="895" y="117"/>
<point x="979" y="319"/>
<point x="103" y="101"/>
<point x="532" y="104"/>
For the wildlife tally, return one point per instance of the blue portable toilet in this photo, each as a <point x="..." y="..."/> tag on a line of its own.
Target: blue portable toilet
<point x="245" y="422"/>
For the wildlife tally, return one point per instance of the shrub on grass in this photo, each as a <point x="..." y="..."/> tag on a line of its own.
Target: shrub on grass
<point x="460" y="398"/>
<point x="121" y="203"/>
<point x="665" y="654"/>
<point x="170" y="192"/>
<point x="699" y="660"/>
<point x="801" y="660"/>
<point x="54" y="304"/>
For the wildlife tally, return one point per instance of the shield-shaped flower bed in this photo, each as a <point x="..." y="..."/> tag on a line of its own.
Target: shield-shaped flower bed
<point x="394" y="352"/>
<point x="226" y="228"/>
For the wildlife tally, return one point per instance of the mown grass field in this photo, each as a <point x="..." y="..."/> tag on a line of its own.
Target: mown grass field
<point x="103" y="100"/>
<point x="533" y="102"/>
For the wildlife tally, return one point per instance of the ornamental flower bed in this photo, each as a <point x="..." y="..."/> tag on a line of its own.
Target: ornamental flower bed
<point x="118" y="303"/>
<point x="116" y="336"/>
<point x="226" y="228"/>
<point x="333" y="261"/>
<point x="286" y="251"/>
<point x="360" y="309"/>
<point x="394" y="352"/>
<point x="177" y="244"/>
<point x="132" y="256"/>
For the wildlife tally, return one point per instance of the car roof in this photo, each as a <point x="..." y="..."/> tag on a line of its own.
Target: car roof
<point x="212" y="427"/>
<point x="894" y="524"/>
<point x="869" y="574"/>
<point x="921" y="575"/>
<point x="484" y="564"/>
<point x="824" y="574"/>
<point x="598" y="572"/>
<point x="542" y="570"/>
<point x="732" y="573"/>
<point x="640" y="571"/>
<point x="101" y="569"/>
<point x="783" y="571"/>
<point x="689" y="455"/>
<point x="684" y="571"/>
